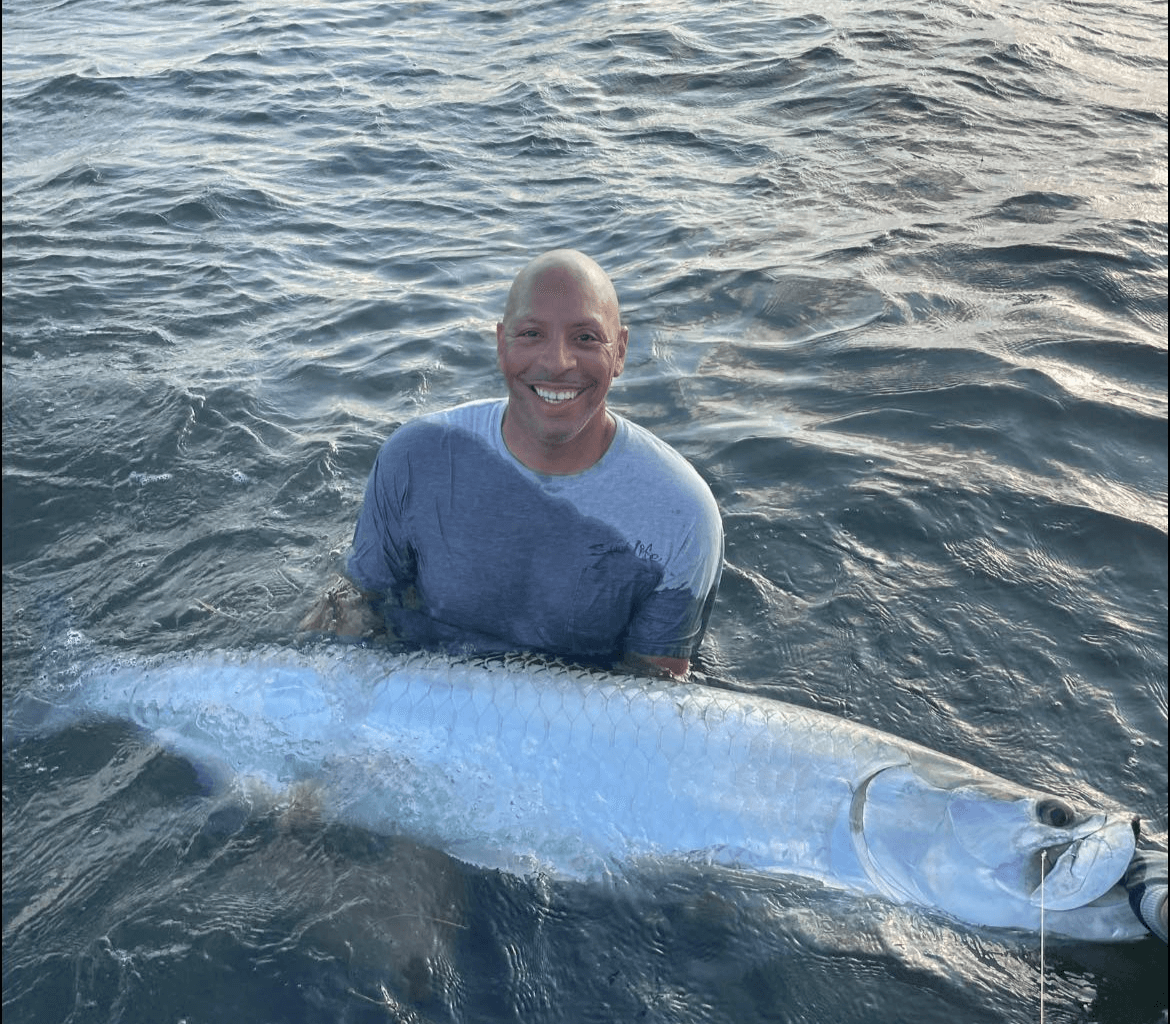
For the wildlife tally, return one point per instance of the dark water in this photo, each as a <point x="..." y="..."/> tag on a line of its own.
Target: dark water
<point x="896" y="283"/>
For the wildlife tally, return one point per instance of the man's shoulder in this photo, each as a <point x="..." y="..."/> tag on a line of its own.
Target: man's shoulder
<point x="654" y="465"/>
<point x="466" y="416"/>
<point x="477" y="418"/>
<point x="644" y="443"/>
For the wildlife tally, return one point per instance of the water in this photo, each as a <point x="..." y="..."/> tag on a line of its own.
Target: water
<point x="896" y="284"/>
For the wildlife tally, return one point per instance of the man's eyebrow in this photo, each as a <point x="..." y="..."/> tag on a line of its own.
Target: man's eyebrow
<point x="533" y="319"/>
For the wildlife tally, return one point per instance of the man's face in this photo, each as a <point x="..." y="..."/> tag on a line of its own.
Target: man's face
<point x="559" y="350"/>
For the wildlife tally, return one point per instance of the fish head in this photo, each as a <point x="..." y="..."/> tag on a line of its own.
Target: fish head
<point x="989" y="852"/>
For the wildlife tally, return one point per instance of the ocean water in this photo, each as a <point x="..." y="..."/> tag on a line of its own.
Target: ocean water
<point x="895" y="277"/>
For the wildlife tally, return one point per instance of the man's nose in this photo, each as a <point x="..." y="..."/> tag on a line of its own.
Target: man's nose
<point x="556" y="356"/>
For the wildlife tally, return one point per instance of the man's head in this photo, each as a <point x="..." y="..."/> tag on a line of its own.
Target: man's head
<point x="560" y="345"/>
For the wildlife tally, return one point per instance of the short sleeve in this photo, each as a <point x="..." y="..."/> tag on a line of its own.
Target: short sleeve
<point x="670" y="621"/>
<point x="381" y="558"/>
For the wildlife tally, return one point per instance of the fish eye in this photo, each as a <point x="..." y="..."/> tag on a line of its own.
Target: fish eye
<point x="1056" y="813"/>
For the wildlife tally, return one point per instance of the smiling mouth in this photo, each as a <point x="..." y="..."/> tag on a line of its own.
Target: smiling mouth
<point x="556" y="396"/>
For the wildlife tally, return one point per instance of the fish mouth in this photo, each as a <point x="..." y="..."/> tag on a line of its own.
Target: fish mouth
<point x="1044" y="861"/>
<point x="1077" y="872"/>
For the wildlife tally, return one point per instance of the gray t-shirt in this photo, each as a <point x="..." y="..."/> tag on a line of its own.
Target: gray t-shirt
<point x="623" y="557"/>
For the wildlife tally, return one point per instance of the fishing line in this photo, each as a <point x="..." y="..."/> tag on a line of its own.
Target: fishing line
<point x="1043" y="859"/>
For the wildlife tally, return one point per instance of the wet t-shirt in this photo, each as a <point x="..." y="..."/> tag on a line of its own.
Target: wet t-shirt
<point x="623" y="557"/>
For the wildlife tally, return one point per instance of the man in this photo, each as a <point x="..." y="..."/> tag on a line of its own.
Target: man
<point x="545" y="522"/>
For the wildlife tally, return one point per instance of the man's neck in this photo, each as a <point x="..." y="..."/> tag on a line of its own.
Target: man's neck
<point x="565" y="458"/>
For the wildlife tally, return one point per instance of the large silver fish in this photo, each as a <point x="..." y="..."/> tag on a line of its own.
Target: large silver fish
<point x="527" y="766"/>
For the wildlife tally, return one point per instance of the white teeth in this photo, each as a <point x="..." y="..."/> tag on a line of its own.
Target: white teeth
<point x="555" y="396"/>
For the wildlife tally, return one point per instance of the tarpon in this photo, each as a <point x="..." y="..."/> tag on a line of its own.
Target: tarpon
<point x="533" y="767"/>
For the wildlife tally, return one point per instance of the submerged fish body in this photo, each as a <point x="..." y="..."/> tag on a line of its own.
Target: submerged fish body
<point x="531" y="767"/>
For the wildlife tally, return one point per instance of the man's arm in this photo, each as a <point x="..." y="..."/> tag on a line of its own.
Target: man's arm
<point x="347" y="609"/>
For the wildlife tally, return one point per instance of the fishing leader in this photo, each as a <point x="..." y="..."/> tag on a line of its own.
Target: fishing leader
<point x="543" y="521"/>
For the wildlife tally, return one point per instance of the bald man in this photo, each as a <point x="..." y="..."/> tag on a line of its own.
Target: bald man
<point x="543" y="522"/>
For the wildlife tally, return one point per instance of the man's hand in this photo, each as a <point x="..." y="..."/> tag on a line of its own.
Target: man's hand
<point x="343" y="611"/>
<point x="658" y="666"/>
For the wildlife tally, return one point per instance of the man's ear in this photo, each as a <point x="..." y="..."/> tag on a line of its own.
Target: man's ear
<point x="501" y="344"/>
<point x="622" y="345"/>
